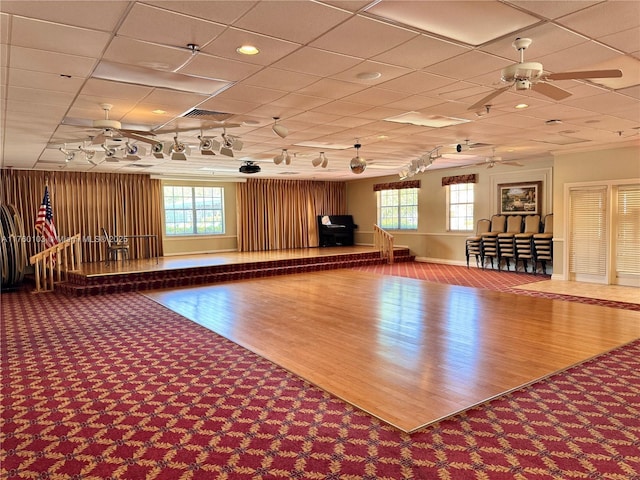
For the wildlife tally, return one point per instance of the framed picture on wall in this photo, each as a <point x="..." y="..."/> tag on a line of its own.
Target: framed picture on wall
<point x="524" y="198"/>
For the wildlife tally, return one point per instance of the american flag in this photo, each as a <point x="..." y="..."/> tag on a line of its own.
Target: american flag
<point x="44" y="221"/>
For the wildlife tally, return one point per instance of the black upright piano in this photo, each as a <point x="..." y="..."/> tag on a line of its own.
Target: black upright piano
<point x="335" y="230"/>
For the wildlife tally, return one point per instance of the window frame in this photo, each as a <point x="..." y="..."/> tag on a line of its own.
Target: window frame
<point x="399" y="217"/>
<point x="468" y="219"/>
<point x="194" y="216"/>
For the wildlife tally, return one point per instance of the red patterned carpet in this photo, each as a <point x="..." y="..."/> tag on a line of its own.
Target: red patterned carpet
<point x="118" y="387"/>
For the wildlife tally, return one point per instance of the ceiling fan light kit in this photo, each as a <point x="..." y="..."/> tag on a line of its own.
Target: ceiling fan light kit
<point x="531" y="76"/>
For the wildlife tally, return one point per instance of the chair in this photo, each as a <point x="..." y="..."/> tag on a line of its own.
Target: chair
<point x="490" y="239"/>
<point x="473" y="245"/>
<point x="524" y="241"/>
<point x="543" y="244"/>
<point x="506" y="241"/>
<point x="114" y="247"/>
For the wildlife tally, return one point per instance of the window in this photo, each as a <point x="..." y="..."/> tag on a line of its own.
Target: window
<point x="460" y="211"/>
<point x="398" y="209"/>
<point x="193" y="210"/>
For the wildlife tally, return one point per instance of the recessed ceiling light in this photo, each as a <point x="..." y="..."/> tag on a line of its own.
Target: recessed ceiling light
<point x="247" y="50"/>
<point x="158" y="112"/>
<point x="369" y="75"/>
<point x="521" y="105"/>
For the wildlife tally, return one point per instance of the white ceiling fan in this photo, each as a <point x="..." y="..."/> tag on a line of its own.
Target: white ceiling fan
<point x="531" y="76"/>
<point x="110" y="129"/>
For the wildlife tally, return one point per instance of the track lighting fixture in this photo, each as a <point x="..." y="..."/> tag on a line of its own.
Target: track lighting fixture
<point x="133" y="151"/>
<point x="279" y="129"/>
<point x="208" y="145"/>
<point x="358" y="164"/>
<point x="282" y="157"/>
<point x="179" y="150"/>
<point x="322" y="160"/>
<point x="229" y="144"/>
<point x="68" y="156"/>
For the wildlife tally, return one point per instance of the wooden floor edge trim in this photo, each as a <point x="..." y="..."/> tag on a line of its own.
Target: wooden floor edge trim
<point x="521" y="387"/>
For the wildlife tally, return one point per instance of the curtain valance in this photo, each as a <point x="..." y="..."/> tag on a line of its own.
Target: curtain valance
<point x="396" y="185"/>
<point x="470" y="178"/>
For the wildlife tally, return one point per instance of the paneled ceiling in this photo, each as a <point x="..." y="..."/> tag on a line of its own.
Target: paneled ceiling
<point x="397" y="77"/>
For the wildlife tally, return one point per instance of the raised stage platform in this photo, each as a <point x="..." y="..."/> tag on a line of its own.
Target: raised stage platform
<point x="189" y="270"/>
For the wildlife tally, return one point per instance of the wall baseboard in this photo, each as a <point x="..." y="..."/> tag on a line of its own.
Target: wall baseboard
<point x="443" y="261"/>
<point x="203" y="252"/>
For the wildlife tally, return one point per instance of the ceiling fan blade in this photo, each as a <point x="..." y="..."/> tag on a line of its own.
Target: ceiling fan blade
<point x="585" y="74"/>
<point x="135" y="136"/>
<point x="136" y="132"/>
<point x="513" y="164"/>
<point x="550" y="91"/>
<point x="481" y="103"/>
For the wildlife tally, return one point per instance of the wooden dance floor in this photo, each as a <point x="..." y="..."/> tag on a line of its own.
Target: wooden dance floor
<point x="407" y="351"/>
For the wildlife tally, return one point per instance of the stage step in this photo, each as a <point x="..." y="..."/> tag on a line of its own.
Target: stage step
<point x="81" y="285"/>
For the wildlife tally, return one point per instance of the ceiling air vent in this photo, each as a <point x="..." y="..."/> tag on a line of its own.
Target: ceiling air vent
<point x="207" y="114"/>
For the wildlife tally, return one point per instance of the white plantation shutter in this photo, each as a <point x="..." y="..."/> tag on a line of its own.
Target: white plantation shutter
<point x="628" y="230"/>
<point x="588" y="232"/>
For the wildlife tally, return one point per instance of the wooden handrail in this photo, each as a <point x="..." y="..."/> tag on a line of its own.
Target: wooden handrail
<point x="65" y="256"/>
<point x="383" y="241"/>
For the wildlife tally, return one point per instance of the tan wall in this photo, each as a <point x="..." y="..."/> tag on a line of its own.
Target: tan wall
<point x="605" y="165"/>
<point x="183" y="245"/>
<point x="432" y="241"/>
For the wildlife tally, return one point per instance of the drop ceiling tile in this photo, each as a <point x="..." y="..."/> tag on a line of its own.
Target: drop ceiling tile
<point x="468" y="65"/>
<point x="41" y="97"/>
<point x="420" y="52"/>
<point x="222" y="68"/>
<point x="298" y="101"/>
<point x="281" y="80"/>
<point x="44" y="81"/>
<point x="276" y="19"/>
<point x="228" y="105"/>
<point x="143" y="54"/>
<point x="578" y="57"/>
<point x="271" y="49"/>
<point x="604" y="18"/>
<point x="251" y="93"/>
<point x="375" y="96"/>
<point x="363" y="37"/>
<point x="102" y="16"/>
<point x="416" y="102"/>
<point x="546" y="39"/>
<point x="4" y="28"/>
<point x="219" y="11"/>
<point x="415" y="83"/>
<point x="552" y="9"/>
<point x="342" y="108"/>
<point x="152" y="24"/>
<point x="317" y="62"/>
<point x="330" y="88"/>
<point x="168" y="98"/>
<point x="481" y="22"/>
<point x="54" y="37"/>
<point x="627" y="41"/>
<point x="51" y="62"/>
<point x="387" y="72"/>
<point x="111" y="92"/>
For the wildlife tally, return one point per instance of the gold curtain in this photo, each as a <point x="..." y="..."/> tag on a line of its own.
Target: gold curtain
<point x="282" y="214"/>
<point x="84" y="203"/>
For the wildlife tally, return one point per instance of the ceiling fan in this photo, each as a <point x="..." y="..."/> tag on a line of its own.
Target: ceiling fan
<point x="110" y="129"/>
<point x="531" y="76"/>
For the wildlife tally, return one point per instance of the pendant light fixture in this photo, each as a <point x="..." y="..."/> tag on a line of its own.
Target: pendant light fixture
<point x="282" y="157"/>
<point x="358" y="164"/>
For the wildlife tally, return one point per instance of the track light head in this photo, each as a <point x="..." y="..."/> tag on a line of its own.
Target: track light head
<point x="278" y="129"/>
